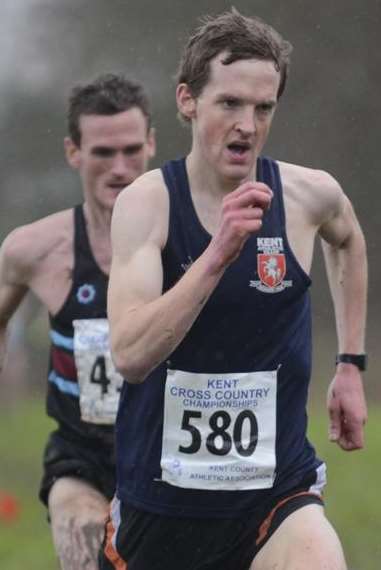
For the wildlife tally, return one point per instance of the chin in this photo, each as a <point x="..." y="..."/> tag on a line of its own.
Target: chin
<point x="111" y="196"/>
<point x="237" y="174"/>
<point x="109" y="202"/>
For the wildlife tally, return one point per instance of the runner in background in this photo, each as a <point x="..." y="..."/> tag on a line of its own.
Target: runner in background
<point x="64" y="259"/>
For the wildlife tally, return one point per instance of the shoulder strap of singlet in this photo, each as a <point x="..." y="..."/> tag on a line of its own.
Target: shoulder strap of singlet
<point x="176" y="179"/>
<point x="81" y="239"/>
<point x="183" y="219"/>
<point x="268" y="172"/>
<point x="83" y="255"/>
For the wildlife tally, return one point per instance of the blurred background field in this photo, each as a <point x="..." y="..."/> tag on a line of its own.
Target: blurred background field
<point x="352" y="499"/>
<point x="24" y="537"/>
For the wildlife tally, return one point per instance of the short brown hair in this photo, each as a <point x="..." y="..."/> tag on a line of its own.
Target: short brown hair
<point x="241" y="37"/>
<point x="107" y="94"/>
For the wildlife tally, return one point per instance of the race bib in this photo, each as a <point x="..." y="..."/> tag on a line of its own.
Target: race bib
<point x="99" y="382"/>
<point x="219" y="430"/>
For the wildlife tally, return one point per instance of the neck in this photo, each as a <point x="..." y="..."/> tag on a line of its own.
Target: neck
<point x="201" y="175"/>
<point x="98" y="219"/>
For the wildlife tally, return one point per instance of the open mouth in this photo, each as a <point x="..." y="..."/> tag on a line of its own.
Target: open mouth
<point x="239" y="148"/>
<point x="117" y="187"/>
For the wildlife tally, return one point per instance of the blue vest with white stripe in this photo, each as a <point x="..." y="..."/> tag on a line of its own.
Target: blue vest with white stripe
<point x="257" y="319"/>
<point x="87" y="299"/>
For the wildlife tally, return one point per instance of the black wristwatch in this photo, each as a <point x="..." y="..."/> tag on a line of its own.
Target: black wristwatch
<point x="359" y="360"/>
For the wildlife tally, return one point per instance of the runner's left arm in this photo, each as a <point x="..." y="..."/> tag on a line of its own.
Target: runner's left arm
<point x="346" y="263"/>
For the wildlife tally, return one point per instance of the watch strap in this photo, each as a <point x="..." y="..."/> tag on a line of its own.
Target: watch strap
<point x="359" y="360"/>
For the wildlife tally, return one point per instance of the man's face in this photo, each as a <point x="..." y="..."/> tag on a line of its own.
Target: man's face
<point x="233" y="114"/>
<point x="114" y="151"/>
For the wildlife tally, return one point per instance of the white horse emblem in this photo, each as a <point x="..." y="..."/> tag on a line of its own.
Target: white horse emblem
<point x="271" y="268"/>
<point x="272" y="271"/>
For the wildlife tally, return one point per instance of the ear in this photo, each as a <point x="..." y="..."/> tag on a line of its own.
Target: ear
<point x="186" y="103"/>
<point x="72" y="152"/>
<point x="151" y="141"/>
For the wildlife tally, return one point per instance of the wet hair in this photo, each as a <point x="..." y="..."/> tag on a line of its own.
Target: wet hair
<point x="108" y="94"/>
<point x="241" y="38"/>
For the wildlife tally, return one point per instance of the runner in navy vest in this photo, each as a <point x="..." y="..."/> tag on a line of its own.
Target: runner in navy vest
<point x="65" y="259"/>
<point x="210" y="322"/>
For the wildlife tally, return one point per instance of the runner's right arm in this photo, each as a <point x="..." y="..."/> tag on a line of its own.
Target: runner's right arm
<point x="13" y="287"/>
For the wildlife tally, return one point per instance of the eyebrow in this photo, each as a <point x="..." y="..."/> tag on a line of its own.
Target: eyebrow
<point x="133" y="147"/>
<point x="270" y="102"/>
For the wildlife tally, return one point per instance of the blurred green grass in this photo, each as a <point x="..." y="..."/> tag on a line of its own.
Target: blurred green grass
<point x="25" y="543"/>
<point x="352" y="498"/>
<point x="353" y="502"/>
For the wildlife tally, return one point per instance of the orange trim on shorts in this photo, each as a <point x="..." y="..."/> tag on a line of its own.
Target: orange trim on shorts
<point x="109" y="550"/>
<point x="264" y="528"/>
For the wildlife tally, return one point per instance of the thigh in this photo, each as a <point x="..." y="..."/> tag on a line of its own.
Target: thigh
<point x="77" y="513"/>
<point x="305" y="539"/>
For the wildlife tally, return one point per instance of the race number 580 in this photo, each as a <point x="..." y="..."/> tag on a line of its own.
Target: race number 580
<point x="220" y="439"/>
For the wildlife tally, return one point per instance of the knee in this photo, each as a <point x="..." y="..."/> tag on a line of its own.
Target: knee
<point x="76" y="504"/>
<point x="77" y="528"/>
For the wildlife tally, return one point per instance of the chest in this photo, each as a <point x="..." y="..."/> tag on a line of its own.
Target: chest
<point x="207" y="211"/>
<point x="71" y="279"/>
<point x="52" y="277"/>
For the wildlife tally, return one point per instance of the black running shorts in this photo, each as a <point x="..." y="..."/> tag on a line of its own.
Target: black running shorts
<point x="68" y="456"/>
<point x="148" y="541"/>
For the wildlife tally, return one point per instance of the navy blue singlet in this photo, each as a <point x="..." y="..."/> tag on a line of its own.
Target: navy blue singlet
<point x="257" y="319"/>
<point x="87" y="299"/>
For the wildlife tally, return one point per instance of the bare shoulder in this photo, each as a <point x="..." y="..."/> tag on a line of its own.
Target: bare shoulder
<point x="316" y="191"/>
<point x="141" y="210"/>
<point x="149" y="188"/>
<point x="26" y="247"/>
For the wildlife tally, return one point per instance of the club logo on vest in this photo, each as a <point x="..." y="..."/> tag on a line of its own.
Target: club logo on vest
<point x="86" y="294"/>
<point x="271" y="266"/>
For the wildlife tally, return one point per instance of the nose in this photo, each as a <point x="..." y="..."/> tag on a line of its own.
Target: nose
<point x="246" y="124"/>
<point x="119" y="165"/>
